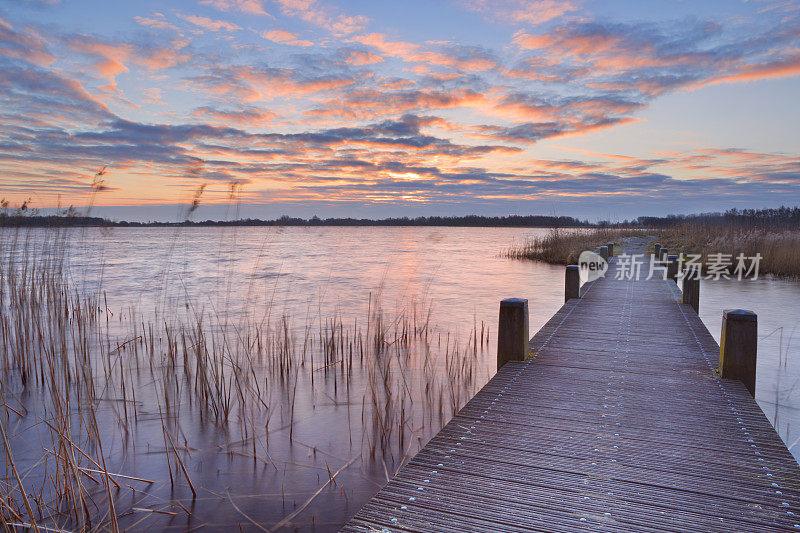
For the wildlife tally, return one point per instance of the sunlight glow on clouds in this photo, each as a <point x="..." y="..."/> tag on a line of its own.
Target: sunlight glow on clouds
<point x="306" y="102"/>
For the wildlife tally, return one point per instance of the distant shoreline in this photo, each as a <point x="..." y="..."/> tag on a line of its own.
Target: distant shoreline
<point x="531" y="221"/>
<point x="774" y="219"/>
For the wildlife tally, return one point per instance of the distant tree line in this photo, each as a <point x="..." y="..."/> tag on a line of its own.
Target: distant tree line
<point x="50" y="221"/>
<point x="780" y="217"/>
<point x="469" y="220"/>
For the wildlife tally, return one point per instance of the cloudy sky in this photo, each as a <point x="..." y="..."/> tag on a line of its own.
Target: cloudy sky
<point x="608" y="109"/>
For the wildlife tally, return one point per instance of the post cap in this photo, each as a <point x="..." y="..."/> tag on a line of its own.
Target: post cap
<point x="573" y="267"/>
<point x="606" y="247"/>
<point x="514" y="302"/>
<point x="672" y="257"/>
<point x="610" y="244"/>
<point x="657" y="244"/>
<point x="743" y="315"/>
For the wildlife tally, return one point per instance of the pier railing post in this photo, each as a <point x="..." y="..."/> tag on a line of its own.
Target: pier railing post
<point x="610" y="249"/>
<point x="663" y="254"/>
<point x="604" y="252"/>
<point x="657" y="250"/>
<point x="738" y="347"/>
<point x="672" y="267"/>
<point x="512" y="332"/>
<point x="572" y="282"/>
<point x="691" y="289"/>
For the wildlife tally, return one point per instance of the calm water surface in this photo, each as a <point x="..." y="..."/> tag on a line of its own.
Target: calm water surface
<point x="452" y="278"/>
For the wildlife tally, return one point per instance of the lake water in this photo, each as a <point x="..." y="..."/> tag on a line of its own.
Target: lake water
<point x="445" y="282"/>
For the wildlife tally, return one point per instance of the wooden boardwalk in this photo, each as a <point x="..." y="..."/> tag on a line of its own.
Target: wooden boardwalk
<point x="618" y="423"/>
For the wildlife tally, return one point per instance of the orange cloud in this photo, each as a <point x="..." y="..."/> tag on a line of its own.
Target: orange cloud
<point x="316" y="13"/>
<point x="249" y="116"/>
<point x="285" y="37"/>
<point x="111" y="57"/>
<point x="250" y="84"/>
<point x="389" y="48"/>
<point x="210" y="24"/>
<point x="26" y="46"/>
<point x="157" y="22"/>
<point x="373" y="103"/>
<point x="521" y="11"/>
<point x="361" y="57"/>
<point x="782" y="68"/>
<point x="413" y="53"/>
<point x="252" y="7"/>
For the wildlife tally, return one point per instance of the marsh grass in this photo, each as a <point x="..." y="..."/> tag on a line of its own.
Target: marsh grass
<point x="563" y="246"/>
<point x="779" y="246"/>
<point x="91" y="379"/>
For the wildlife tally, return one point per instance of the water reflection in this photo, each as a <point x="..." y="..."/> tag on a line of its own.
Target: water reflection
<point x="778" y="372"/>
<point x="310" y="459"/>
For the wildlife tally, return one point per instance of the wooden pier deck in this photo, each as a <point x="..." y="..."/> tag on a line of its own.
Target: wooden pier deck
<point x="617" y="423"/>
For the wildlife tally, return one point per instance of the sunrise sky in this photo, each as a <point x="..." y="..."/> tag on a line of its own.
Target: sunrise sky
<point x="365" y="108"/>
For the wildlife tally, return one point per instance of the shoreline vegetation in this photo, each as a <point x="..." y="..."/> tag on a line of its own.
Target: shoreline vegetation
<point x="779" y="248"/>
<point x="773" y="219"/>
<point x="773" y="233"/>
<point x="563" y="246"/>
<point x="130" y="407"/>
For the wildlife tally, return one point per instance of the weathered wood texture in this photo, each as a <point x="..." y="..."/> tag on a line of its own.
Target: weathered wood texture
<point x="512" y="331"/>
<point x="691" y="289"/>
<point x="617" y="423"/>
<point x="572" y="282"/>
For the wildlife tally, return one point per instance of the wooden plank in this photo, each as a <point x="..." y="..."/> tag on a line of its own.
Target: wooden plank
<point x="617" y="421"/>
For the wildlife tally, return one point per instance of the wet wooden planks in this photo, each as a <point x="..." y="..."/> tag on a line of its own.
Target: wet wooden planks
<point x="617" y="423"/>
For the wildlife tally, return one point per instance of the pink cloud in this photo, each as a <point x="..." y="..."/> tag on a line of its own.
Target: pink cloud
<point x="153" y="95"/>
<point x="370" y="103"/>
<point x="252" y="7"/>
<point x="361" y="57"/>
<point x="414" y="53"/>
<point x="156" y="22"/>
<point x="285" y="37"/>
<point x="249" y="116"/>
<point x="210" y="24"/>
<point x="321" y="15"/>
<point x="389" y="48"/>
<point x="521" y="11"/>
<point x="111" y="58"/>
<point x="789" y="66"/>
<point x="250" y="84"/>
<point x="26" y="46"/>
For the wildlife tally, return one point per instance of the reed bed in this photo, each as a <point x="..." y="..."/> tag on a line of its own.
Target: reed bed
<point x="779" y="246"/>
<point x="89" y="379"/>
<point x="563" y="246"/>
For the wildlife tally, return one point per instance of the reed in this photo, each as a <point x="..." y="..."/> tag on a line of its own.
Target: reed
<point x="563" y="246"/>
<point x="779" y="246"/>
<point x="91" y="377"/>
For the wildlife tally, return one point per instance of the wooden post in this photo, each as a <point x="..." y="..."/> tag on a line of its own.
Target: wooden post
<point x="610" y="249"/>
<point x="512" y="333"/>
<point x="604" y="252"/>
<point x="691" y="288"/>
<point x="738" y="347"/>
<point x="664" y="253"/>
<point x="572" y="282"/>
<point x="672" y="267"/>
<point x="657" y="250"/>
